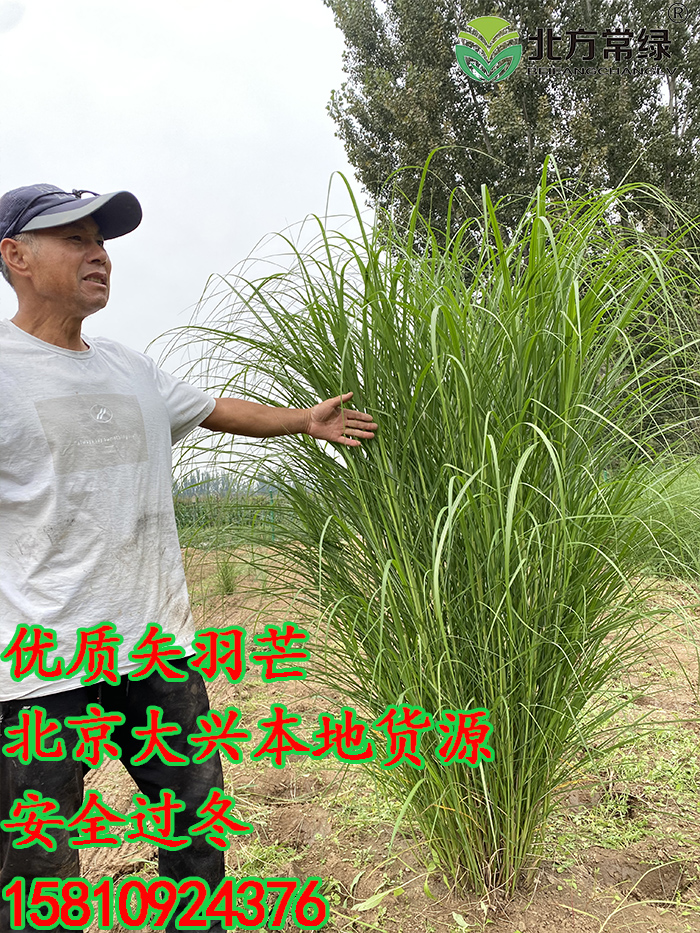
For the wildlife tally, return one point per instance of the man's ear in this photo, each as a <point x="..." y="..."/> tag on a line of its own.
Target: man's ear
<point x="14" y="255"/>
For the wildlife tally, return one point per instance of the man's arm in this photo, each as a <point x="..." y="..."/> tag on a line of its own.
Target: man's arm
<point x="326" y="421"/>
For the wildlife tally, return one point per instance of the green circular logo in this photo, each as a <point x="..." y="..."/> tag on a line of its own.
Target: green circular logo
<point x="486" y="59"/>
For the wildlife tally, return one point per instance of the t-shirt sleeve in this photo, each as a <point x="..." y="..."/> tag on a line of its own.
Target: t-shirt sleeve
<point x="187" y="406"/>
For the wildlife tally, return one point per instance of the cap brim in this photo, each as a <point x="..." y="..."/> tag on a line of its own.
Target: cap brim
<point x="115" y="214"/>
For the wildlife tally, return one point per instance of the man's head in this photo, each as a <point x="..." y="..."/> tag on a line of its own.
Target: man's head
<point x="45" y="207"/>
<point x="61" y="270"/>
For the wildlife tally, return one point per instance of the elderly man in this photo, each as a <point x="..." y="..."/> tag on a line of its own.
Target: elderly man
<point x="88" y="532"/>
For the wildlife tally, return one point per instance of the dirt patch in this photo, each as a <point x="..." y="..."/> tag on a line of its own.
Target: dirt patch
<point x="638" y="879"/>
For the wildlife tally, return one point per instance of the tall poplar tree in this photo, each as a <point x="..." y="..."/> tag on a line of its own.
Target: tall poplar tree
<point x="405" y="95"/>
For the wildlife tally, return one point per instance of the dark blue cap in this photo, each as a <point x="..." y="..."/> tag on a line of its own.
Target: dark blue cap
<point x="37" y="207"/>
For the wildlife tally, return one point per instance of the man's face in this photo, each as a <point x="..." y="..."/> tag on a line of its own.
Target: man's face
<point x="70" y="268"/>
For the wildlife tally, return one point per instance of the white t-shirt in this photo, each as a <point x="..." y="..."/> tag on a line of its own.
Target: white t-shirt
<point x="87" y="526"/>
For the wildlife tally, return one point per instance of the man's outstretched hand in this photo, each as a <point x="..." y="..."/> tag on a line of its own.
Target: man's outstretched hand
<point x="329" y="422"/>
<point x="326" y="421"/>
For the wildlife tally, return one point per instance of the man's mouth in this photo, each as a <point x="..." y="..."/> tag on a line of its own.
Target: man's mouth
<point x="97" y="277"/>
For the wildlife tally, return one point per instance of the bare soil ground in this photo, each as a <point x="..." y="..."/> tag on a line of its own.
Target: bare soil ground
<point x="624" y="849"/>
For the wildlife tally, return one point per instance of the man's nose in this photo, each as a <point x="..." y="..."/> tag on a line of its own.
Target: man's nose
<point x="98" y="253"/>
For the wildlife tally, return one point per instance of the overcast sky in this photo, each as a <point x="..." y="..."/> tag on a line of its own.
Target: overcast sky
<point x="212" y="113"/>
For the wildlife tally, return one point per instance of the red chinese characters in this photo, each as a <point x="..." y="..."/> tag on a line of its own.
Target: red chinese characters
<point x="219" y="650"/>
<point x="281" y="648"/>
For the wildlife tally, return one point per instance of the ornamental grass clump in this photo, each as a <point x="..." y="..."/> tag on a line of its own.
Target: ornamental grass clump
<point x="481" y="551"/>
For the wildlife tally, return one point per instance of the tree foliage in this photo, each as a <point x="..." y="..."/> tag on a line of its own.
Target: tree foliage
<point x="405" y="96"/>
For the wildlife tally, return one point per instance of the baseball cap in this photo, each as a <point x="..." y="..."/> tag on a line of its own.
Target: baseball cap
<point x="38" y="207"/>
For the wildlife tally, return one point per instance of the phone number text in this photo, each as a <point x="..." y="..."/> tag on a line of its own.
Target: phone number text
<point x="134" y="902"/>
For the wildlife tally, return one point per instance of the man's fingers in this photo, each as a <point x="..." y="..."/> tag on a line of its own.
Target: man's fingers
<point x="360" y="419"/>
<point x="356" y="432"/>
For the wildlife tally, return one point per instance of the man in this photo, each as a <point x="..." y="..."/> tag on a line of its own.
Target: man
<point x="89" y="542"/>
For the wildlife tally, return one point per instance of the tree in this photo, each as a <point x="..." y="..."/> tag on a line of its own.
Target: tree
<point x="405" y="95"/>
